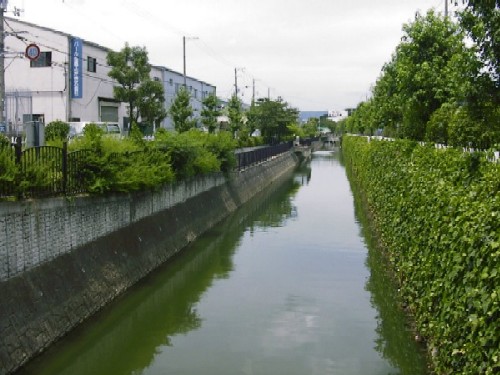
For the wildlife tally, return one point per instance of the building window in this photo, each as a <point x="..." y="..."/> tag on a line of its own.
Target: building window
<point x="195" y="93"/>
<point x="44" y="60"/>
<point x="91" y="64"/>
<point x="171" y="81"/>
<point x="177" y="87"/>
<point x="156" y="79"/>
<point x="108" y="111"/>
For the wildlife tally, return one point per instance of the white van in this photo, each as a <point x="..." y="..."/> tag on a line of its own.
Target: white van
<point x="76" y="128"/>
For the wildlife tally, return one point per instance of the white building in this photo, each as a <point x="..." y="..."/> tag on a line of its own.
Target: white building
<point x="173" y="81"/>
<point x="69" y="80"/>
<point x="337" y="115"/>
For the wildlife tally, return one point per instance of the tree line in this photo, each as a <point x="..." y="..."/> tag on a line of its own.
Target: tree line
<point x="442" y="82"/>
<point x="130" y="68"/>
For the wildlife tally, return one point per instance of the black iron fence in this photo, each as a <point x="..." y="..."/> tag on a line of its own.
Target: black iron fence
<point x="41" y="171"/>
<point x="51" y="171"/>
<point x="258" y="155"/>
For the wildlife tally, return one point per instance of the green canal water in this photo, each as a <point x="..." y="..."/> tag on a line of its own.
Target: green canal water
<point x="289" y="284"/>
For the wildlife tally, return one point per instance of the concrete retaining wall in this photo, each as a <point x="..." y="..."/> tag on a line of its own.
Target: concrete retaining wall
<point x="54" y="290"/>
<point x="38" y="231"/>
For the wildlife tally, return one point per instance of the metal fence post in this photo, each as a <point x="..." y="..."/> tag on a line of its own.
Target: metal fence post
<point x="64" y="167"/>
<point x="18" y="147"/>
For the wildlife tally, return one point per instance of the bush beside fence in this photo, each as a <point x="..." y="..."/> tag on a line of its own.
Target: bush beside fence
<point x="51" y="171"/>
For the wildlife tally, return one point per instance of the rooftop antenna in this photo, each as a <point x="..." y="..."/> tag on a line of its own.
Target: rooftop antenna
<point x="17" y="11"/>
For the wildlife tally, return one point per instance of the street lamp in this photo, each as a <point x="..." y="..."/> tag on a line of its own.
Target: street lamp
<point x="184" y="54"/>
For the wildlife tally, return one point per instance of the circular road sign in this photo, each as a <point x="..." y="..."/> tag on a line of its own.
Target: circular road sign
<point x="32" y="51"/>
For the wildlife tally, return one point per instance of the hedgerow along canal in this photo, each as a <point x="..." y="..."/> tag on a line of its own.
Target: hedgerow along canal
<point x="287" y="285"/>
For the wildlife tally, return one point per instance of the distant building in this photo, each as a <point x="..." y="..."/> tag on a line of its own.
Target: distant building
<point x="172" y="83"/>
<point x="337" y="115"/>
<point x="69" y="80"/>
<point x="330" y="115"/>
<point x="304" y="116"/>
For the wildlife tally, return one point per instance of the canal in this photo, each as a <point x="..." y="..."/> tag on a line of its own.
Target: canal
<point x="289" y="284"/>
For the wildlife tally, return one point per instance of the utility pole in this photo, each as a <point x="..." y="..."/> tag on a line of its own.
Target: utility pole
<point x="236" y="82"/>
<point x="446" y="8"/>
<point x="3" y="6"/>
<point x="184" y="58"/>
<point x="184" y="55"/>
<point x="253" y="90"/>
<point x="17" y="12"/>
<point x="236" y="79"/>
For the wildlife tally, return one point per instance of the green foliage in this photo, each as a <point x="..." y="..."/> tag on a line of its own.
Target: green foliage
<point x="273" y="118"/>
<point x="56" y="130"/>
<point x="182" y="112"/>
<point x="247" y="140"/>
<point x="136" y="135"/>
<point x="194" y="152"/>
<point x="139" y="170"/>
<point x="222" y="145"/>
<point x="108" y="164"/>
<point x="130" y="68"/>
<point x="421" y="71"/>
<point x="296" y="131"/>
<point x="481" y="20"/>
<point x="434" y="87"/>
<point x="436" y="212"/>
<point x="235" y="114"/>
<point x="92" y="137"/>
<point x="120" y="165"/>
<point x="151" y="102"/>
<point x="4" y="141"/>
<point x="437" y="129"/>
<point x="475" y="126"/>
<point x="210" y="112"/>
<point x="311" y="127"/>
<point x="8" y="168"/>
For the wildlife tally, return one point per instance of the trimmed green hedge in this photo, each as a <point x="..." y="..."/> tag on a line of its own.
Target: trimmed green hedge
<point x="437" y="214"/>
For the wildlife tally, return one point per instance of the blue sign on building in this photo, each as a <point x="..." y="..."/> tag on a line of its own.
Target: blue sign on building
<point x="76" y="68"/>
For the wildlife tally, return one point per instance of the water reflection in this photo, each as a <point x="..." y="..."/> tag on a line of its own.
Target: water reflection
<point x="283" y="286"/>
<point x="126" y="337"/>
<point x="395" y="339"/>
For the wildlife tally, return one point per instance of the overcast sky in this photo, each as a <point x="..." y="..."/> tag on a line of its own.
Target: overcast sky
<point x="315" y="54"/>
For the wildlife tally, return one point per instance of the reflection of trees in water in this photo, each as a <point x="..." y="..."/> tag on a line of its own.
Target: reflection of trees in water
<point x="278" y="211"/>
<point x="395" y="339"/>
<point x="303" y="174"/>
<point x="125" y="337"/>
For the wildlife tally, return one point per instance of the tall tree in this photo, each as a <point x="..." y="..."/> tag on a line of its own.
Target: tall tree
<point x="130" y="68"/>
<point x="182" y="112"/>
<point x="481" y="19"/>
<point x="210" y="112"/>
<point x="151" y="102"/>
<point x="235" y="114"/>
<point x="273" y="119"/>
<point x="422" y="75"/>
<point x="478" y="123"/>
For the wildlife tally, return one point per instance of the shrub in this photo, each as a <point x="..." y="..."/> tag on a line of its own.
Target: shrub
<point x="437" y="213"/>
<point x="8" y="168"/>
<point x="194" y="152"/>
<point x="56" y="130"/>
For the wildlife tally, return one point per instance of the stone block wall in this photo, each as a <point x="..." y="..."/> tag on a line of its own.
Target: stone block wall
<point x="34" y="232"/>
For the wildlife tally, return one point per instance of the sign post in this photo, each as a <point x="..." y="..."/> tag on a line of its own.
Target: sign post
<point x="32" y="52"/>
